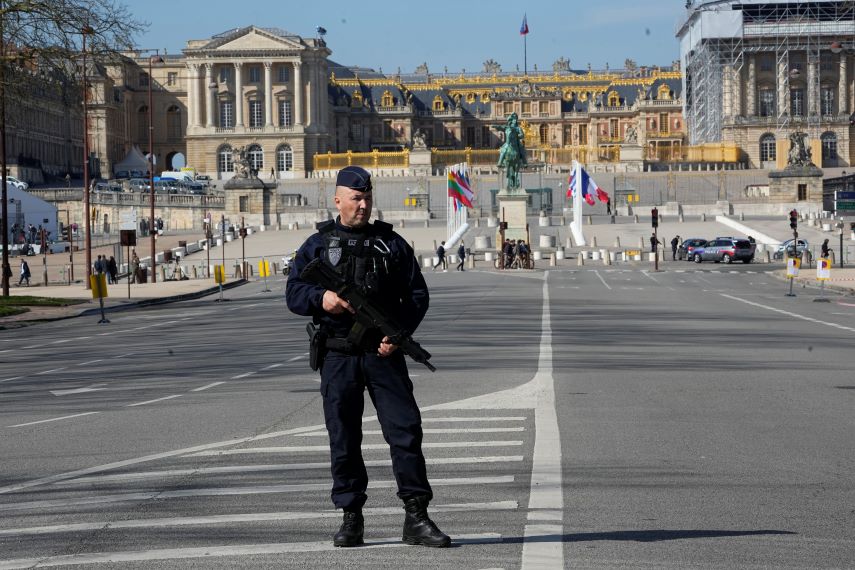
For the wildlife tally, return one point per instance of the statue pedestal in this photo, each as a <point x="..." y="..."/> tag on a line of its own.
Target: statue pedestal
<point x="251" y="199"/>
<point x="420" y="162"/>
<point x="512" y="209"/>
<point x="632" y="157"/>
<point x="795" y="183"/>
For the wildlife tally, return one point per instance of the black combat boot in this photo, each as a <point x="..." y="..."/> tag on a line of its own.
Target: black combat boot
<point x="418" y="528"/>
<point x="350" y="533"/>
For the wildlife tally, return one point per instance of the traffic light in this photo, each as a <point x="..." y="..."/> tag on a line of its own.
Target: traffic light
<point x="65" y="231"/>
<point x="654" y="217"/>
<point x="794" y="219"/>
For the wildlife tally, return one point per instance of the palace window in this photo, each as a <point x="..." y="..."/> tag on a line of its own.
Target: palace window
<point x="243" y="203"/>
<point x="544" y="108"/>
<point x="256" y="113"/>
<point x="283" y="74"/>
<point x="356" y="99"/>
<point x="470" y="97"/>
<point x="255" y="156"/>
<point x="767" y="63"/>
<point x="485" y="137"/>
<point x="768" y="148"/>
<point x="614" y="129"/>
<point x="285" y="119"/>
<point x="544" y="134"/>
<point x="797" y="102"/>
<point x="227" y="114"/>
<point x="829" y="146"/>
<point x="284" y="158"/>
<point x="485" y="97"/>
<point x="583" y="135"/>
<point x="614" y="99"/>
<point x="826" y="101"/>
<point x="224" y="159"/>
<point x="387" y="100"/>
<point x="526" y="108"/>
<point x="356" y="132"/>
<point x="172" y="78"/>
<point x="143" y="79"/>
<point x="438" y="105"/>
<point x="663" y="123"/>
<point x="255" y="74"/>
<point x="664" y="92"/>
<point x="173" y="123"/>
<point x="226" y="74"/>
<point x="387" y="131"/>
<point x="767" y="102"/>
<point x="508" y="107"/>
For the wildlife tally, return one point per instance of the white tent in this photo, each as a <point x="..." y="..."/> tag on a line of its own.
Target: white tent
<point x="24" y="209"/>
<point x="134" y="161"/>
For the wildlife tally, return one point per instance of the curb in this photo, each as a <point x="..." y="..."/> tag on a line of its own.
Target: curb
<point x="161" y="300"/>
<point x="828" y="287"/>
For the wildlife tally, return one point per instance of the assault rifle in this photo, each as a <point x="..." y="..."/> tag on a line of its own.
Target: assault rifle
<point x="368" y="313"/>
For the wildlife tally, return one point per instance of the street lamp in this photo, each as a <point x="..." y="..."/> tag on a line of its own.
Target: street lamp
<point x="151" y="60"/>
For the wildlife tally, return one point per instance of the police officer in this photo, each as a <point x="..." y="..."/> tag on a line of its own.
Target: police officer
<point x="379" y="261"/>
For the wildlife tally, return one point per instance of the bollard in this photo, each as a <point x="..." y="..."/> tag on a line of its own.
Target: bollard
<point x="594" y="241"/>
<point x="741" y="216"/>
<point x="427" y="223"/>
<point x="568" y="243"/>
<point x="471" y="262"/>
<point x="563" y="221"/>
<point x="704" y="217"/>
<point x="552" y="260"/>
<point x="617" y="241"/>
<point x="612" y="219"/>
<point x="559" y="255"/>
<point x="590" y="220"/>
<point x="641" y="243"/>
<point x="477" y="222"/>
<point x="636" y="218"/>
<point x="580" y="259"/>
<point x="681" y="217"/>
<point x="434" y="245"/>
<point x="595" y="255"/>
<point x="607" y="257"/>
<point x="402" y="224"/>
<point x="195" y="274"/>
<point x="163" y="273"/>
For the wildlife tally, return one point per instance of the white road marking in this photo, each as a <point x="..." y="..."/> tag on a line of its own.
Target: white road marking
<point x="296" y="358"/>
<point x="219" y="551"/>
<point x="276" y="467"/>
<point x="272" y="366"/>
<point x="124" y="355"/>
<point x="29" y="347"/>
<point x="90" y="388"/>
<point x="244" y="375"/>
<point x="476" y="419"/>
<point x="597" y="273"/>
<point x="153" y="401"/>
<point x="90" y="362"/>
<point x="234" y="491"/>
<point x="10" y="379"/>
<point x="789" y="314"/>
<point x="246" y="518"/>
<point x="54" y="419"/>
<point x="432" y="430"/>
<point x="211" y="385"/>
<point x="64" y="340"/>
<point x="43" y="372"/>
<point x="365" y="447"/>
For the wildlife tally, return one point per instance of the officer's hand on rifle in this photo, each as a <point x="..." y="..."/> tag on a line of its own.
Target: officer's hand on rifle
<point x="386" y="348"/>
<point x="334" y="304"/>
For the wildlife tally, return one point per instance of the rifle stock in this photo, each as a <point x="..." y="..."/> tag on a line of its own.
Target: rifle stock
<point x="367" y="311"/>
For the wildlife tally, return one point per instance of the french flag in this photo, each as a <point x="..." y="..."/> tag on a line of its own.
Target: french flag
<point x="524" y="26"/>
<point x="580" y="179"/>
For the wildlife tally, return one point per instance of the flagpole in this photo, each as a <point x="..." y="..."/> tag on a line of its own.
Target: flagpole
<point x="525" y="54"/>
<point x="576" y="225"/>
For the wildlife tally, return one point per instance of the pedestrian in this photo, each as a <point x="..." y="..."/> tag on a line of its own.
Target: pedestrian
<point x="373" y="256"/>
<point x="653" y="243"/>
<point x="825" y="250"/>
<point x="25" y="273"/>
<point x="440" y="254"/>
<point x="113" y="270"/>
<point x="609" y="206"/>
<point x="68" y="180"/>
<point x="135" y="267"/>
<point x="461" y="256"/>
<point x="675" y="243"/>
<point x="507" y="254"/>
<point x="99" y="266"/>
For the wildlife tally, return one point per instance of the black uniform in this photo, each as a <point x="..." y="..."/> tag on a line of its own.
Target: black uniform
<point x="380" y="261"/>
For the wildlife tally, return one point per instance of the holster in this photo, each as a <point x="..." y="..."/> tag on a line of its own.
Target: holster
<point x="317" y="346"/>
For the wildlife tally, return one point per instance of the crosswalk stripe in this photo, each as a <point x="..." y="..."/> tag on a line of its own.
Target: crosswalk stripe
<point x="245" y="518"/>
<point x="475" y="419"/>
<point x="232" y="469"/>
<point x="232" y="491"/>
<point x="219" y="551"/>
<point x="365" y="447"/>
<point x="431" y="431"/>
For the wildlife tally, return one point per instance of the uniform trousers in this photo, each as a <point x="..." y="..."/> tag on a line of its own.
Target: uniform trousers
<point x="344" y="378"/>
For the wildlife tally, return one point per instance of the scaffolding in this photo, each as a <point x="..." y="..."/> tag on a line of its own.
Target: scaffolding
<point x="726" y="46"/>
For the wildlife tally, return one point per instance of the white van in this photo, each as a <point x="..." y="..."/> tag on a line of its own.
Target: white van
<point x="175" y="175"/>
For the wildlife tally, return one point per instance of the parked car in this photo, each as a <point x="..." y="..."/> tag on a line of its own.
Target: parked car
<point x="108" y="187"/>
<point x="203" y="179"/>
<point x="19" y="184"/>
<point x="787" y="246"/>
<point x="686" y="249"/>
<point x="725" y="250"/>
<point x="139" y="185"/>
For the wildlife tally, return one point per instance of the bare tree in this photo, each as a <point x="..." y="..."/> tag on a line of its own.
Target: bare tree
<point x="42" y="45"/>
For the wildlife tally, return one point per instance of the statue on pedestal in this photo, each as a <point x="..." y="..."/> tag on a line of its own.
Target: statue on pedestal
<point x="241" y="163"/>
<point x="512" y="155"/>
<point x="419" y="140"/>
<point x="800" y="153"/>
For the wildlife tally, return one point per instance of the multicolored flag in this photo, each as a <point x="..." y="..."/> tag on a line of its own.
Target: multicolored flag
<point x="459" y="188"/>
<point x="587" y="185"/>
<point x="524" y="26"/>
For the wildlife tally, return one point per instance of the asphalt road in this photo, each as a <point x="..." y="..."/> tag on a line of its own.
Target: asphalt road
<point x="585" y="418"/>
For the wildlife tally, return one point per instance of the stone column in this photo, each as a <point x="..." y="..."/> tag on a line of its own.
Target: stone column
<point x="782" y="81"/>
<point x="268" y="94"/>
<point x="737" y="92"/>
<point x="310" y="93"/>
<point x="727" y="91"/>
<point x="812" y="86"/>
<point x="192" y="85"/>
<point x="209" y="103"/>
<point x="751" y="87"/>
<point x="843" y="83"/>
<point x="324" y="98"/>
<point x="298" y="93"/>
<point x="238" y="94"/>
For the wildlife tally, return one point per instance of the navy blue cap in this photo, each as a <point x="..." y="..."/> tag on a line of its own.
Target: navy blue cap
<point x="355" y="178"/>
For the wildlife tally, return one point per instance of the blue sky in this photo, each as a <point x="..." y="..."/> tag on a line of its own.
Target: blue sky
<point x="460" y="35"/>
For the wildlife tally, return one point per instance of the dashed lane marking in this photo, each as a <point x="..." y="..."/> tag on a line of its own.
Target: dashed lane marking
<point x="10" y="379"/>
<point x="244" y="375"/>
<point x="51" y="371"/>
<point x="272" y="366"/>
<point x="211" y="385"/>
<point x="296" y="358"/>
<point x="153" y="401"/>
<point x="90" y="362"/>
<point x="432" y="430"/>
<point x="55" y="419"/>
<point x="597" y="273"/>
<point x="475" y="419"/>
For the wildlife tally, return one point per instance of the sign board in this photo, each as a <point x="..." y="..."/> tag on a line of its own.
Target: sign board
<point x="128" y="220"/>
<point x="823" y="269"/>
<point x="845" y="195"/>
<point x="845" y="205"/>
<point x="219" y="274"/>
<point x="98" y="282"/>
<point x="128" y="237"/>
<point x="264" y="269"/>
<point x="793" y="264"/>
